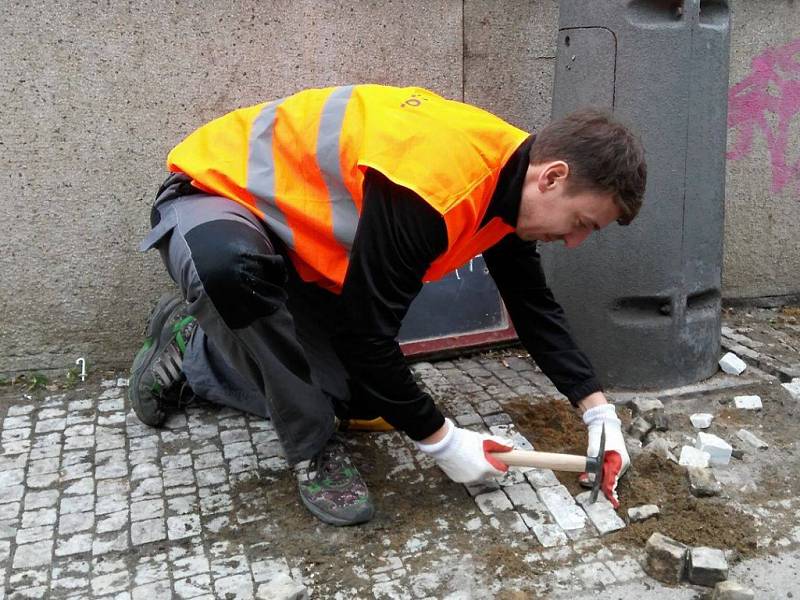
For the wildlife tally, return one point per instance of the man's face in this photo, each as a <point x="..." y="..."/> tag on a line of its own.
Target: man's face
<point x="549" y="212"/>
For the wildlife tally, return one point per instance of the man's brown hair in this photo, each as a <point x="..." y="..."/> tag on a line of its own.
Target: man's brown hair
<point x="603" y="156"/>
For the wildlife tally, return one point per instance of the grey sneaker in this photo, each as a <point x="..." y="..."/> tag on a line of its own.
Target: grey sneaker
<point x="332" y="488"/>
<point x="157" y="382"/>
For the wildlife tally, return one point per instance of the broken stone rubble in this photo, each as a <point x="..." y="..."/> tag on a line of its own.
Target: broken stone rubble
<point x="752" y="439"/>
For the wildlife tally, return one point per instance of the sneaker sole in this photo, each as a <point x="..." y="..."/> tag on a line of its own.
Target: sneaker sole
<point x="155" y="324"/>
<point x="368" y="513"/>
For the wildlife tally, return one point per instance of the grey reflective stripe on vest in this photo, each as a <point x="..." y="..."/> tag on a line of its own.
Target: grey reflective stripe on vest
<point x="343" y="208"/>
<point x="261" y="169"/>
<point x="261" y="173"/>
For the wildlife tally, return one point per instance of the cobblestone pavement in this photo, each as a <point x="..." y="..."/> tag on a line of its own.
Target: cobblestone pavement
<point x="93" y="504"/>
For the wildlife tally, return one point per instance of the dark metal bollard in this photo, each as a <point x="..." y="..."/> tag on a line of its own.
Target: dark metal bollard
<point x="644" y="300"/>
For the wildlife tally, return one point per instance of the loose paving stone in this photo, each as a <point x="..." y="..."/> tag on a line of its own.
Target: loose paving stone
<point x="730" y="590"/>
<point x="702" y="482"/>
<point x="701" y="420"/>
<point x="752" y="439"/>
<point x="665" y="558"/>
<point x="732" y="364"/>
<point x="707" y="566"/>
<point x="692" y="457"/>
<point x="748" y="402"/>
<point x="719" y="450"/>
<point x="601" y="513"/>
<point x="642" y="513"/>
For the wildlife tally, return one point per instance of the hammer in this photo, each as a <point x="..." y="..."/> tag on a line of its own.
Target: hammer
<point x="560" y="462"/>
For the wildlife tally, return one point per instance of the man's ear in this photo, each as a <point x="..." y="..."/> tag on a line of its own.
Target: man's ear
<point x="552" y="174"/>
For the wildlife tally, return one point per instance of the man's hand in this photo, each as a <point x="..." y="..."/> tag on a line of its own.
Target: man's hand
<point x="616" y="458"/>
<point x="464" y="455"/>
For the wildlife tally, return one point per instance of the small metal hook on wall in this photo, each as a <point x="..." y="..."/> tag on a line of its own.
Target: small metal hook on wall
<point x="82" y="362"/>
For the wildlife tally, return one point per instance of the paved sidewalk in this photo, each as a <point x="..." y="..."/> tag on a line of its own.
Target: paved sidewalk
<point x="93" y="504"/>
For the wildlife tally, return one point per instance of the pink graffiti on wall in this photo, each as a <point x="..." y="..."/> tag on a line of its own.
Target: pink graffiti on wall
<point x="767" y="101"/>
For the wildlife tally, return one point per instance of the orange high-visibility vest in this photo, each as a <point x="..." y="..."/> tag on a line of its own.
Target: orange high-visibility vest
<point x="298" y="163"/>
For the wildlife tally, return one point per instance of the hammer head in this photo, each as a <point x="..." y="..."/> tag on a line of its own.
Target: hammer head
<point x="594" y="465"/>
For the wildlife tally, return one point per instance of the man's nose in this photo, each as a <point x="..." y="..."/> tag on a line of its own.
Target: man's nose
<point x="576" y="238"/>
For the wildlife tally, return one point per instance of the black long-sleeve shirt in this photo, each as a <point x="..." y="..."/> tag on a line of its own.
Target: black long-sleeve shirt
<point x="399" y="235"/>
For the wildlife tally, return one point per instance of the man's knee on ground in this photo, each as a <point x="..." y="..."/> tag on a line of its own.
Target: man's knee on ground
<point x="239" y="270"/>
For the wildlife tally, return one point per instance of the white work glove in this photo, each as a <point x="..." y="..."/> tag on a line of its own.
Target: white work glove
<point x="464" y="455"/>
<point x="616" y="460"/>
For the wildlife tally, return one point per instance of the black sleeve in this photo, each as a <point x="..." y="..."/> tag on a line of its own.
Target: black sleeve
<point x="398" y="237"/>
<point x="539" y="320"/>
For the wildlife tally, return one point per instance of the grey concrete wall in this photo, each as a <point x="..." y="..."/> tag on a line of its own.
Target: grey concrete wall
<point x="94" y="96"/>
<point x="762" y="222"/>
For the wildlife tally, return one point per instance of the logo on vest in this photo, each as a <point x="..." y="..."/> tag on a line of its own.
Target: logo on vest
<point x="414" y="100"/>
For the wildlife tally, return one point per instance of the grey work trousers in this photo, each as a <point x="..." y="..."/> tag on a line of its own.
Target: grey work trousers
<point x="263" y="339"/>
